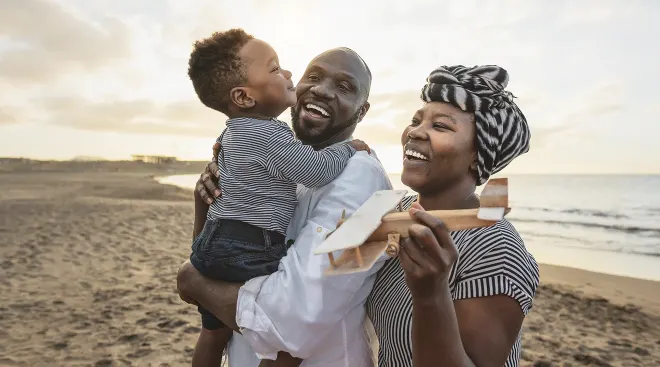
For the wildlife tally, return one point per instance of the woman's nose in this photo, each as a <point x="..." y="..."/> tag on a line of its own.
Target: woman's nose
<point x="418" y="133"/>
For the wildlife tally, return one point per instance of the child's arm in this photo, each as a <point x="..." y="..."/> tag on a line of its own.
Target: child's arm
<point x="288" y="157"/>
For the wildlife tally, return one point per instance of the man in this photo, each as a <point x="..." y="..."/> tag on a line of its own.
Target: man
<point x="297" y="309"/>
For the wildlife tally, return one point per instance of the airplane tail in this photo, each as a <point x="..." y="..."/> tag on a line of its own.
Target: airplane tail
<point x="494" y="200"/>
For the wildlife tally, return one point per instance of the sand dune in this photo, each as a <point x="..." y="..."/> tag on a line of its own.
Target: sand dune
<point x="87" y="277"/>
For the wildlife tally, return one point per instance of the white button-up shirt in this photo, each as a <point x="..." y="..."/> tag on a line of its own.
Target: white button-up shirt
<point x="299" y="310"/>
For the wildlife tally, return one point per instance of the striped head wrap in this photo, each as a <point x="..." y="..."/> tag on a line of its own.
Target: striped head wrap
<point x="502" y="131"/>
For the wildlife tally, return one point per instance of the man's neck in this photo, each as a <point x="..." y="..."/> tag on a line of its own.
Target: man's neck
<point x="458" y="196"/>
<point x="337" y="138"/>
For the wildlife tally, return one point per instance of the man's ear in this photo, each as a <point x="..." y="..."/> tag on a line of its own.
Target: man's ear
<point x="363" y="110"/>
<point x="240" y="96"/>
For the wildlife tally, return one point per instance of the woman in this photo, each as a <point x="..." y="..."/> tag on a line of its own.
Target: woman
<point x="456" y="298"/>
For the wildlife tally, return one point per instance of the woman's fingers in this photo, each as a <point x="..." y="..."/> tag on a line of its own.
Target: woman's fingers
<point x="436" y="225"/>
<point x="427" y="243"/>
<point x="407" y="255"/>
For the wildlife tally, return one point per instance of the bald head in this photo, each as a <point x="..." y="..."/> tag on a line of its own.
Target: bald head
<point x="364" y="63"/>
<point x="332" y="97"/>
<point x="354" y="60"/>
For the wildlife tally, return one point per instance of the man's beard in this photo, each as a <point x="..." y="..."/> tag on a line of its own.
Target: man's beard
<point x="328" y="132"/>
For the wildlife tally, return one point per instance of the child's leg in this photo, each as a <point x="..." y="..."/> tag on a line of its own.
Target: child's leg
<point x="284" y="359"/>
<point x="212" y="341"/>
<point x="209" y="347"/>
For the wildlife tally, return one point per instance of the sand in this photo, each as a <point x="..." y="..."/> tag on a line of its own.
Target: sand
<point x="89" y="259"/>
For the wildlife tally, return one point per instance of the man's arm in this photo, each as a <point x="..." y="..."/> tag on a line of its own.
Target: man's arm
<point x="206" y="190"/>
<point x="201" y="210"/>
<point x="294" y="308"/>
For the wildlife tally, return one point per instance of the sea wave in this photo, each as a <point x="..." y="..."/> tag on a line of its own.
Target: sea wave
<point x="576" y="211"/>
<point x="599" y="245"/>
<point x="632" y="229"/>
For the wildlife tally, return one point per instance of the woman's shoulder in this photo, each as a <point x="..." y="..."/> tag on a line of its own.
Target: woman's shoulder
<point x="496" y="255"/>
<point x="483" y="239"/>
<point x="500" y="240"/>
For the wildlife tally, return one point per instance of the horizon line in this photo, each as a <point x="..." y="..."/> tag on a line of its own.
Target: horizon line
<point x="91" y="159"/>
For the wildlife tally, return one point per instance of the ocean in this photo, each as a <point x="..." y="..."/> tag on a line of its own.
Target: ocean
<point x="603" y="223"/>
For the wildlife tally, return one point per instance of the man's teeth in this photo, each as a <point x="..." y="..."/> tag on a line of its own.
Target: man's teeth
<point x="417" y="155"/>
<point x="318" y="109"/>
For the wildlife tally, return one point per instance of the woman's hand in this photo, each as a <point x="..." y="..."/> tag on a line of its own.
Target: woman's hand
<point x="427" y="255"/>
<point x="207" y="187"/>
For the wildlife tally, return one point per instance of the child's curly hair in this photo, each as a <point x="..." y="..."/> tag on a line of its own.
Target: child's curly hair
<point x="215" y="67"/>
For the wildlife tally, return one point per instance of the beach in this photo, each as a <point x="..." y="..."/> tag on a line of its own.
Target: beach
<point x="89" y="255"/>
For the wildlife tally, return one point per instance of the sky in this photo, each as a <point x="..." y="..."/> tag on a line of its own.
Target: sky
<point x="107" y="78"/>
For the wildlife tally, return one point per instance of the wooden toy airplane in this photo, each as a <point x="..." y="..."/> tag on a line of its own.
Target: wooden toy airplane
<point x="377" y="227"/>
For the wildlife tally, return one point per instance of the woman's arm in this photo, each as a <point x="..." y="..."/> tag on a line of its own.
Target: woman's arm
<point x="436" y="336"/>
<point x="481" y="325"/>
<point x="469" y="332"/>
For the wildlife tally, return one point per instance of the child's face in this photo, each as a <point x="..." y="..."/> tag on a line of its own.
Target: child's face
<point x="268" y="84"/>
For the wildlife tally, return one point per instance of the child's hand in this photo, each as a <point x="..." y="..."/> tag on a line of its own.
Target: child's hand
<point x="358" y="144"/>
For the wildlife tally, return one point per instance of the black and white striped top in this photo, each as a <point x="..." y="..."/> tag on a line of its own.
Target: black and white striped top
<point x="492" y="260"/>
<point x="260" y="164"/>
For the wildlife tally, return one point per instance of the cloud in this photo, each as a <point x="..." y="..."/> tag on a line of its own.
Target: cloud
<point x="390" y="113"/>
<point x="187" y="118"/>
<point x="7" y="116"/>
<point x="44" y="41"/>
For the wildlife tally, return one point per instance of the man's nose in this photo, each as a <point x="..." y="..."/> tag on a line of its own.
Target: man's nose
<point x="322" y="90"/>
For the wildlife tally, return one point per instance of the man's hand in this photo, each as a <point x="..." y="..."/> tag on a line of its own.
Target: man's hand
<point x="358" y="144"/>
<point x="207" y="187"/>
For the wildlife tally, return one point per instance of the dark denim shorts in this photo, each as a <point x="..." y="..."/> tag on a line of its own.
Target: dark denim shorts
<point x="234" y="251"/>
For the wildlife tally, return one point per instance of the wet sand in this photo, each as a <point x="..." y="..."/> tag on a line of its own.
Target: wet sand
<point x="89" y="259"/>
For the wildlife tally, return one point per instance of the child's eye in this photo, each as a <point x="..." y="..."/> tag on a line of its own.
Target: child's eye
<point x="277" y="68"/>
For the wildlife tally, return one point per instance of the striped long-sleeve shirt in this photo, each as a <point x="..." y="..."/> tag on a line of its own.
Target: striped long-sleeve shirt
<point x="261" y="163"/>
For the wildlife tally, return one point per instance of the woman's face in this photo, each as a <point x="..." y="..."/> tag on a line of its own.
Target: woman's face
<point x="438" y="148"/>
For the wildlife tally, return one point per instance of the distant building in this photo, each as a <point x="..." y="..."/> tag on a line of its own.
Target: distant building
<point x="157" y="159"/>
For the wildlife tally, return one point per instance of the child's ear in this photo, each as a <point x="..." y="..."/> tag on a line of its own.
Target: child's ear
<point x="241" y="97"/>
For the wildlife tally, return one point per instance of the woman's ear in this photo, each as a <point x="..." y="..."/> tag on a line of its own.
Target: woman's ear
<point x="241" y="97"/>
<point x="475" y="162"/>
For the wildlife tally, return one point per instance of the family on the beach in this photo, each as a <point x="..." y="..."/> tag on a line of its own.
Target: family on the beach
<point x="269" y="197"/>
